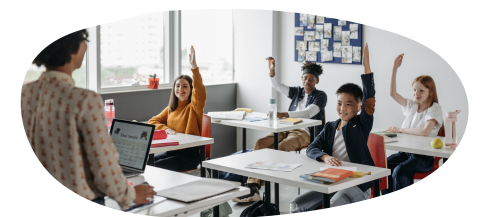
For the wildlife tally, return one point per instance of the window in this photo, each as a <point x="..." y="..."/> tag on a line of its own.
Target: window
<point x="122" y="55"/>
<point x="79" y="75"/>
<point x="211" y="34"/>
<point x="131" y="50"/>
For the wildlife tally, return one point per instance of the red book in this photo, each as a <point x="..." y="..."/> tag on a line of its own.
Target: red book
<point x="159" y="134"/>
<point x="164" y="142"/>
<point x="333" y="174"/>
<point x="160" y="139"/>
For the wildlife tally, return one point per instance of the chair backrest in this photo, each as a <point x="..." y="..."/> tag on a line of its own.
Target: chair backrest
<point x="441" y="132"/>
<point x="376" y="145"/>
<point x="206" y="132"/>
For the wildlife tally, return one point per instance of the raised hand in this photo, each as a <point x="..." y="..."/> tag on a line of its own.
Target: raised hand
<point x="192" y="58"/>
<point x="366" y="60"/>
<point x="271" y="66"/>
<point x="398" y="61"/>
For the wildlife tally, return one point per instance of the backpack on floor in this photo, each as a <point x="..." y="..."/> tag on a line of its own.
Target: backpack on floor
<point x="231" y="176"/>
<point x="260" y="208"/>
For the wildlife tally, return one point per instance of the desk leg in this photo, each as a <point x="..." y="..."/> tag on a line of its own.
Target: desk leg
<point x="268" y="192"/>
<point x="151" y="159"/>
<point x="326" y="201"/>
<point x="376" y="188"/>
<point x="203" y="158"/>
<point x="277" y="196"/>
<point x="216" y="209"/>
<point x="275" y="141"/>
<point x="275" y="146"/>
<point x="312" y="133"/>
<point x="243" y="140"/>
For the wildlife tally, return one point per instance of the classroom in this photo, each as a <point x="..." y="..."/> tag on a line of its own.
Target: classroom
<point x="134" y="63"/>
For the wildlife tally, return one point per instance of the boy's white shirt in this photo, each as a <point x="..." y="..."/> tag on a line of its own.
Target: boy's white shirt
<point x="339" y="150"/>
<point x="301" y="111"/>
<point x="418" y="120"/>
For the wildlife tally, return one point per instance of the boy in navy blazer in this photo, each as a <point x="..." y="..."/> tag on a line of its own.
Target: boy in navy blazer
<point x="345" y="140"/>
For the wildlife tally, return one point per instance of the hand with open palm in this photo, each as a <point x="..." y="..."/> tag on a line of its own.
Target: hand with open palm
<point x="271" y="66"/>
<point x="192" y="58"/>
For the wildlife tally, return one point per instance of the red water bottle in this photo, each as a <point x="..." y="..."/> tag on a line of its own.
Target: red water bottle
<point x="109" y="112"/>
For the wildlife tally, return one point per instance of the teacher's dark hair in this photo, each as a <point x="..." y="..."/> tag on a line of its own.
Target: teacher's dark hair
<point x="58" y="52"/>
<point x="174" y="101"/>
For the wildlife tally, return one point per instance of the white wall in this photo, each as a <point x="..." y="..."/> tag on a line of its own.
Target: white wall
<point x="252" y="44"/>
<point x="384" y="47"/>
<point x="259" y="34"/>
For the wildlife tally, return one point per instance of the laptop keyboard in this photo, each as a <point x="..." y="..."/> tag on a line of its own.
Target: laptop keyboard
<point x="129" y="173"/>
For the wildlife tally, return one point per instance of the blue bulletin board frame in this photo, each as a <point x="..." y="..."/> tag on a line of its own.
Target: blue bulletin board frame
<point x="353" y="42"/>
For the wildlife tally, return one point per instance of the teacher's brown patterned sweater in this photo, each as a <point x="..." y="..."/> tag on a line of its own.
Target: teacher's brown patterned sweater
<point x="66" y="127"/>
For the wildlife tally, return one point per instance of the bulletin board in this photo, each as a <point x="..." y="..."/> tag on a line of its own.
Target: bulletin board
<point x="337" y="55"/>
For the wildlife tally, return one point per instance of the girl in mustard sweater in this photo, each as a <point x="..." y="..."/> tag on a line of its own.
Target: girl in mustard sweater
<point x="184" y="114"/>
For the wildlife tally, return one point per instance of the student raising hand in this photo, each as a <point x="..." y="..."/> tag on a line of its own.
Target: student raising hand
<point x="192" y="58"/>
<point x="366" y="60"/>
<point x="271" y="66"/>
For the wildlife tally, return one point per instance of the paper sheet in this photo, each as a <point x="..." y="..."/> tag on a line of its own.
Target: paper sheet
<point x="233" y="115"/>
<point x="267" y="165"/>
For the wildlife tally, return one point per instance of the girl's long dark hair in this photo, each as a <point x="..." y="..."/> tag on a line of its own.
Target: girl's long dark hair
<point x="174" y="101"/>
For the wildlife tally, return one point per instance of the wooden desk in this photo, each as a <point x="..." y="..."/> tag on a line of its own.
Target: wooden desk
<point x="237" y="164"/>
<point x="164" y="179"/>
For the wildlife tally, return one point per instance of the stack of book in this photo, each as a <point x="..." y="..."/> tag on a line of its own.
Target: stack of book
<point x="327" y="176"/>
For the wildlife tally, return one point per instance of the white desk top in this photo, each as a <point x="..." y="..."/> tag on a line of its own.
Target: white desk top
<point x="163" y="179"/>
<point x="236" y="164"/>
<point x="418" y="145"/>
<point x="264" y="125"/>
<point x="185" y="141"/>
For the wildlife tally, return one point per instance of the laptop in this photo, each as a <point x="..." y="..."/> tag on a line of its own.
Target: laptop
<point x="133" y="142"/>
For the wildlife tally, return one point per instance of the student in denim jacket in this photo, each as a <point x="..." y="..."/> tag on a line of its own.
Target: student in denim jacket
<point x="345" y="140"/>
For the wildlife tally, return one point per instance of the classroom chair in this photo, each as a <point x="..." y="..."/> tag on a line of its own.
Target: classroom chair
<point x="436" y="164"/>
<point x="205" y="132"/>
<point x="312" y="128"/>
<point x="376" y="145"/>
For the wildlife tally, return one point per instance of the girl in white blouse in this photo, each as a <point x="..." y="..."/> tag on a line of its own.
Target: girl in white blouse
<point x="423" y="118"/>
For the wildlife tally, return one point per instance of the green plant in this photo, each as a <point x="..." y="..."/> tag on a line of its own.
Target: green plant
<point x="153" y="76"/>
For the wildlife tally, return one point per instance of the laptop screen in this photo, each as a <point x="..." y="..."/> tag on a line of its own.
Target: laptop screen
<point x="133" y="141"/>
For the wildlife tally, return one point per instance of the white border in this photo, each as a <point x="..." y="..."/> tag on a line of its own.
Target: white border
<point x="441" y="26"/>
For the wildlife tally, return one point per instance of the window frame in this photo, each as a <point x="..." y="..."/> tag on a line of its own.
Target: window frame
<point x="168" y="59"/>
<point x="172" y="57"/>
